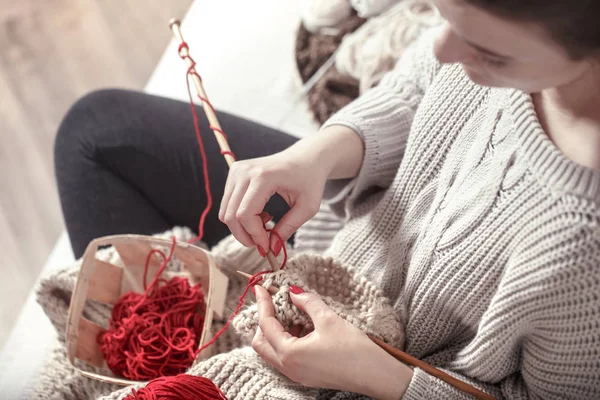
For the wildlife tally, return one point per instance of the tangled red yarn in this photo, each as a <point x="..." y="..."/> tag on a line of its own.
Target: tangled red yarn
<point x="155" y="333"/>
<point x="179" y="387"/>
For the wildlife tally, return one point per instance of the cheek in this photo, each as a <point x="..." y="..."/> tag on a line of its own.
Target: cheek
<point x="449" y="49"/>
<point x="534" y="78"/>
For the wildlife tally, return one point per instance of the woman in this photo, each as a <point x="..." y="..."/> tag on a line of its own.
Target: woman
<point x="469" y="187"/>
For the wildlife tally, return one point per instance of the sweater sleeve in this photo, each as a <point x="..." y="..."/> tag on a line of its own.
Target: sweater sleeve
<point x="383" y="117"/>
<point x="552" y="297"/>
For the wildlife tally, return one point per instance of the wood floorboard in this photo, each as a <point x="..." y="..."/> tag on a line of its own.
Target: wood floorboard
<point x="52" y="53"/>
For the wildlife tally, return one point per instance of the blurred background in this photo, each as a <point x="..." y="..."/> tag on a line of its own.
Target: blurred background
<point x="51" y="53"/>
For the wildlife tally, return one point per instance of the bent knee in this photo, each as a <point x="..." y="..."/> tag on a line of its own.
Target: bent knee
<point x="87" y="118"/>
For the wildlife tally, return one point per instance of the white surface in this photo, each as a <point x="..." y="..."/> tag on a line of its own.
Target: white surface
<point x="32" y="338"/>
<point x="245" y="54"/>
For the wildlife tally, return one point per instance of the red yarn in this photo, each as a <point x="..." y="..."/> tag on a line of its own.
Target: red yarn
<point x="178" y="387"/>
<point x="225" y="152"/>
<point x="154" y="334"/>
<point x="192" y="71"/>
<point x="214" y="128"/>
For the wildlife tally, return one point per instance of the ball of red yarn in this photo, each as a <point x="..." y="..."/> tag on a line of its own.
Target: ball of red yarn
<point x="179" y="387"/>
<point x="156" y="333"/>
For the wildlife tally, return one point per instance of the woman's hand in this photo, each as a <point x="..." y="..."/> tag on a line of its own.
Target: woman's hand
<point x="335" y="355"/>
<point x="298" y="174"/>
<point x="251" y="183"/>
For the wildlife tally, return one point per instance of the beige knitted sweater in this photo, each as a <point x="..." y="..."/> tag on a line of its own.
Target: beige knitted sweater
<point x="483" y="236"/>
<point x="482" y="233"/>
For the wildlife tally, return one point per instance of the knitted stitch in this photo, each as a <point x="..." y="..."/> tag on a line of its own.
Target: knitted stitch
<point x="341" y="289"/>
<point x="371" y="51"/>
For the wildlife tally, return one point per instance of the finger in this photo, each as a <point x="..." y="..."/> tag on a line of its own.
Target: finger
<point x="234" y="225"/>
<point x="248" y="214"/>
<point x="269" y="325"/>
<point x="264" y="349"/>
<point x="312" y="304"/>
<point x="229" y="186"/>
<point x="290" y="222"/>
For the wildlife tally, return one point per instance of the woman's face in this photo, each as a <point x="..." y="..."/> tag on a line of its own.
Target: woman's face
<point x="502" y="53"/>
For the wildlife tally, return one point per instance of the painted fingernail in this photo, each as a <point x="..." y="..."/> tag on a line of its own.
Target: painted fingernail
<point x="265" y="217"/>
<point x="254" y="290"/>
<point x="261" y="251"/>
<point x="296" y="289"/>
<point x="277" y="248"/>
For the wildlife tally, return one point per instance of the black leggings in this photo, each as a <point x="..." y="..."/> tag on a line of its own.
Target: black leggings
<point x="128" y="162"/>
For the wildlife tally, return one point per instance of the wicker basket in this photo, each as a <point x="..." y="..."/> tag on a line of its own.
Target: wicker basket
<point x="102" y="282"/>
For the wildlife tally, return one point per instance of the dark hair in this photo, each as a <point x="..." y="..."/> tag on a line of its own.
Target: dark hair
<point x="573" y="24"/>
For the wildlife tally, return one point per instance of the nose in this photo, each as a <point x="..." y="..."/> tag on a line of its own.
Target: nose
<point x="449" y="48"/>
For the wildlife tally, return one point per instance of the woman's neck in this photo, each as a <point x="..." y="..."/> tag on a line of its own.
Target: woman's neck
<point x="570" y="115"/>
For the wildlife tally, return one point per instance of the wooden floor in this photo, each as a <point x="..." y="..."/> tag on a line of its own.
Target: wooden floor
<point x="51" y="53"/>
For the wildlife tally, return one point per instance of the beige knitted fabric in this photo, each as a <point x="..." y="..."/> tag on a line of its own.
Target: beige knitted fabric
<point x="341" y="289"/>
<point x="372" y="50"/>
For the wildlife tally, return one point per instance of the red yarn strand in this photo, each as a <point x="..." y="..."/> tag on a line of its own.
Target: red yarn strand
<point x="251" y="282"/>
<point x="178" y="387"/>
<point x="214" y="128"/>
<point x="204" y="160"/>
<point x="225" y="152"/>
<point x="155" y="335"/>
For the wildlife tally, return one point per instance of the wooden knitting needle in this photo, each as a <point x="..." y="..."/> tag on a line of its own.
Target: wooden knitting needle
<point x="415" y="362"/>
<point x="175" y="26"/>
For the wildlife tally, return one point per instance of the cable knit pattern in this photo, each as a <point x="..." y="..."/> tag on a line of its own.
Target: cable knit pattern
<point x="341" y="289"/>
<point x="484" y="236"/>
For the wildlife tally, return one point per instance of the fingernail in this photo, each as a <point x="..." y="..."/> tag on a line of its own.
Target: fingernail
<point x="277" y="248"/>
<point x="254" y="290"/>
<point x="296" y="289"/>
<point x="261" y="251"/>
<point x="265" y="217"/>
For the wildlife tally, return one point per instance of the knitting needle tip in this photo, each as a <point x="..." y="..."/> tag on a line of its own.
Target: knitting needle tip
<point x="245" y="275"/>
<point x="173" y="21"/>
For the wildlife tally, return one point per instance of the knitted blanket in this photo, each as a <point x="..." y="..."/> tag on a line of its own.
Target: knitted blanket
<point x="365" y="50"/>
<point x="236" y="368"/>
